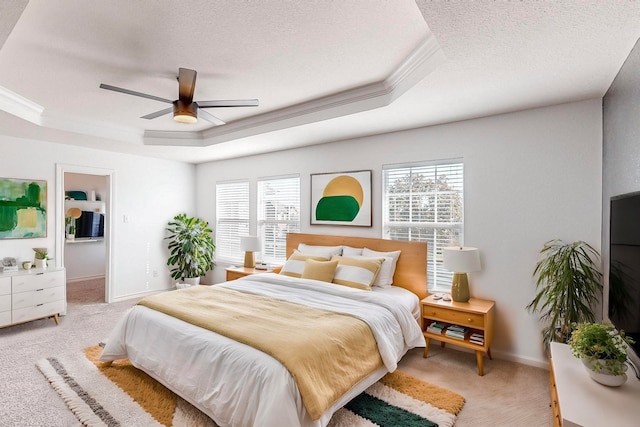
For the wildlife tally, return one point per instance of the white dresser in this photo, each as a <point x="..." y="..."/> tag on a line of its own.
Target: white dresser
<point x="32" y="294"/>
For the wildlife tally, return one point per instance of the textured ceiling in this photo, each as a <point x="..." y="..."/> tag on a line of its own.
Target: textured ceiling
<point x="322" y="70"/>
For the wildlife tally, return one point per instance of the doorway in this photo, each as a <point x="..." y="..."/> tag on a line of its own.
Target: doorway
<point x="88" y="257"/>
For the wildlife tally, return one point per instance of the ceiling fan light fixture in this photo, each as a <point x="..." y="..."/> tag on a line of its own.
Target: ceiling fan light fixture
<point x="185" y="112"/>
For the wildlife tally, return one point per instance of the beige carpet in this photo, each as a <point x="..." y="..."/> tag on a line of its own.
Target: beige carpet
<point x="508" y="395"/>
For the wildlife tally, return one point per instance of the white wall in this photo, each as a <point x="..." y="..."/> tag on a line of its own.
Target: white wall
<point x="150" y="191"/>
<point x="530" y="177"/>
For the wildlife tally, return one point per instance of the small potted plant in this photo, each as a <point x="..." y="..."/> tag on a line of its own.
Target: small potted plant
<point x="191" y="248"/>
<point x="603" y="351"/>
<point x="42" y="255"/>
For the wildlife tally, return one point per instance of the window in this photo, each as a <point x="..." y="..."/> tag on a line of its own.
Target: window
<point x="278" y="214"/>
<point x="424" y="202"/>
<point x="232" y="219"/>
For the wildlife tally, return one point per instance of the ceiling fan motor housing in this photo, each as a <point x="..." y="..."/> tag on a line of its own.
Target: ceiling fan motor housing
<point x="185" y="112"/>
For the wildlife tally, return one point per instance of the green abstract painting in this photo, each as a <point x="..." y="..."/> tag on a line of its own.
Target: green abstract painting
<point x="342" y="198"/>
<point x="23" y="208"/>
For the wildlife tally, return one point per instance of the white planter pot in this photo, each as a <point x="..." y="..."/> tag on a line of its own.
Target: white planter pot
<point x="41" y="263"/>
<point x="192" y="281"/>
<point x="604" y="377"/>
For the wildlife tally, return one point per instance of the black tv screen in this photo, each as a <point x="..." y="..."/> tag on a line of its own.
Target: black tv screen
<point x="624" y="266"/>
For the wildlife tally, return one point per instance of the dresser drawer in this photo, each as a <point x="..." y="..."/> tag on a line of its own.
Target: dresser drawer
<point x="5" y="286"/>
<point x="37" y="312"/>
<point x="452" y="316"/>
<point x="33" y="298"/>
<point x="5" y="318"/>
<point x="32" y="282"/>
<point x="5" y="303"/>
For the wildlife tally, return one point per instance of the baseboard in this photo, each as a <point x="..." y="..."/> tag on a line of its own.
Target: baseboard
<point x="84" y="278"/>
<point x="502" y="355"/>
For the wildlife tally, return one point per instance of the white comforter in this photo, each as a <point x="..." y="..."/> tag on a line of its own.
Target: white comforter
<point x="237" y="385"/>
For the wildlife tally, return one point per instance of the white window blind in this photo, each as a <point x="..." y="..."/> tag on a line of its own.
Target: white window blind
<point x="278" y="214"/>
<point x="425" y="202"/>
<point x="232" y="219"/>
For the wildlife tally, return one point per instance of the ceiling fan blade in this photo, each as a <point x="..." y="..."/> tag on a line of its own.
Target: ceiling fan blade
<point x="187" y="84"/>
<point x="202" y="114"/>
<point x="158" y="113"/>
<point x="134" y="93"/>
<point x="229" y="103"/>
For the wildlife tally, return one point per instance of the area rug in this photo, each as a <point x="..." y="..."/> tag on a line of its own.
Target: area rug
<point x="122" y="395"/>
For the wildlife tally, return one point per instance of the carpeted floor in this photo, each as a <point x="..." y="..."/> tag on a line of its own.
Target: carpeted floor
<point x="509" y="394"/>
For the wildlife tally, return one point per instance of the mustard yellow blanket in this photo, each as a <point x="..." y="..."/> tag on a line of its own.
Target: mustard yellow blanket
<point x="326" y="353"/>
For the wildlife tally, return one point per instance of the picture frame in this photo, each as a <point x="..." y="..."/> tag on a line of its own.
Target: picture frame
<point x="23" y="208"/>
<point x="341" y="198"/>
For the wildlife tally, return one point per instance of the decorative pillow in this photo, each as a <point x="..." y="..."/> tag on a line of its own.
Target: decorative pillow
<point x="388" y="279"/>
<point x="294" y="266"/>
<point x="385" y="275"/>
<point x="356" y="273"/>
<point x="349" y="251"/>
<point x="326" y="251"/>
<point x="319" y="270"/>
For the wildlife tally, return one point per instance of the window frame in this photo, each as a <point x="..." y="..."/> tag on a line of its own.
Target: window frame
<point x="228" y="243"/>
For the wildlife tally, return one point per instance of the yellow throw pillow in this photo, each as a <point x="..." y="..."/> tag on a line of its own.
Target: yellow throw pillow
<point x="295" y="264"/>
<point x="356" y="272"/>
<point x="319" y="270"/>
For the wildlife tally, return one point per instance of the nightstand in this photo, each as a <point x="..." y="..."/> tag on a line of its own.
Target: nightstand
<point x="476" y="315"/>
<point x="234" y="273"/>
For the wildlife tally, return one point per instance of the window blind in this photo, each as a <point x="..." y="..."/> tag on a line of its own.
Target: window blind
<point x="232" y="219"/>
<point x="278" y="214"/>
<point x="425" y="202"/>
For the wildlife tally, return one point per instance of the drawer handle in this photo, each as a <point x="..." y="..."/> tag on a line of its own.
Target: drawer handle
<point x="38" y="290"/>
<point x="469" y="320"/>
<point x="38" y="305"/>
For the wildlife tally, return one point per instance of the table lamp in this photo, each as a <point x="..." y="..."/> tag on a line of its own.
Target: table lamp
<point x="461" y="260"/>
<point x="250" y="244"/>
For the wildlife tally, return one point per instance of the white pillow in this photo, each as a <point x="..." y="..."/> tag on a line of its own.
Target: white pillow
<point x="294" y="266"/>
<point x="349" y="251"/>
<point x="388" y="279"/>
<point x="325" y="251"/>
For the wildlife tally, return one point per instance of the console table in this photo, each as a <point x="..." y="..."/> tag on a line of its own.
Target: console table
<point x="577" y="400"/>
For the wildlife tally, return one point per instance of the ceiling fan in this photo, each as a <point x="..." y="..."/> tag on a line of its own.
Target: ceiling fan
<point x="185" y="109"/>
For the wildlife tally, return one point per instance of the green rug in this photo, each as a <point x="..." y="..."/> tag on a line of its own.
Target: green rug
<point x="121" y="395"/>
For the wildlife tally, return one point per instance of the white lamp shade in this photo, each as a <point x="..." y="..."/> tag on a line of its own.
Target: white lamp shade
<point x="461" y="259"/>
<point x="250" y="244"/>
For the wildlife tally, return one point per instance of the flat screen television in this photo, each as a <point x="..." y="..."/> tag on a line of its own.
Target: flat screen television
<point x="624" y="266"/>
<point x="90" y="224"/>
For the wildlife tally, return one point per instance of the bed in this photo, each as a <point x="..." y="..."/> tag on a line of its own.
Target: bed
<point x="238" y="385"/>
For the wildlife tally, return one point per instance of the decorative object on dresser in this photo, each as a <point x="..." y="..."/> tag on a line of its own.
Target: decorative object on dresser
<point x="249" y="245"/>
<point x="342" y="198"/>
<point x="32" y="294"/>
<point x="568" y="287"/>
<point x="70" y="222"/>
<point x="461" y="260"/>
<point x="191" y="248"/>
<point x="9" y="264"/>
<point x="24" y="208"/>
<point x="468" y="324"/>
<point x="41" y="256"/>
<point x="577" y="400"/>
<point x="602" y="350"/>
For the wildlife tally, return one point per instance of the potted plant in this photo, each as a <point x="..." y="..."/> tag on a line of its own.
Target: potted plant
<point x="568" y="287"/>
<point x="603" y="351"/>
<point x="191" y="248"/>
<point x="41" y="256"/>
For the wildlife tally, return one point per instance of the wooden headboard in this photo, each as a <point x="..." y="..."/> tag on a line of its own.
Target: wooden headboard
<point x="411" y="270"/>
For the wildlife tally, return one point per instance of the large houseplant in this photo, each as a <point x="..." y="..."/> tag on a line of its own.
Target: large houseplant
<point x="191" y="247"/>
<point x="568" y="286"/>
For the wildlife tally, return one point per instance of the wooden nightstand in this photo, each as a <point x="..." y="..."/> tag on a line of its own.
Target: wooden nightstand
<point x="234" y="273"/>
<point x="476" y="314"/>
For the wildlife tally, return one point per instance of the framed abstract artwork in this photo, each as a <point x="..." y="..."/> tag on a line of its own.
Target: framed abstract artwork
<point x="341" y="198"/>
<point x="23" y="208"/>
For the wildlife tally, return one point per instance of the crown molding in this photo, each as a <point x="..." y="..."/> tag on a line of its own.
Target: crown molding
<point x="420" y="63"/>
<point x="20" y="106"/>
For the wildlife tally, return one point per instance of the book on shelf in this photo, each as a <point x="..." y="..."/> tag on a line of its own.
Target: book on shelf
<point x="456" y="331"/>
<point x="476" y="338"/>
<point x="435" y="328"/>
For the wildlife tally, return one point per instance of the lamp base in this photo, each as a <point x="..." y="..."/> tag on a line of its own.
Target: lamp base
<point x="249" y="260"/>
<point x="460" y="287"/>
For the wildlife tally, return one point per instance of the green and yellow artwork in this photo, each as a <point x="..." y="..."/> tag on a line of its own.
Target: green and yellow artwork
<point x="341" y="198"/>
<point x="23" y="208"/>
